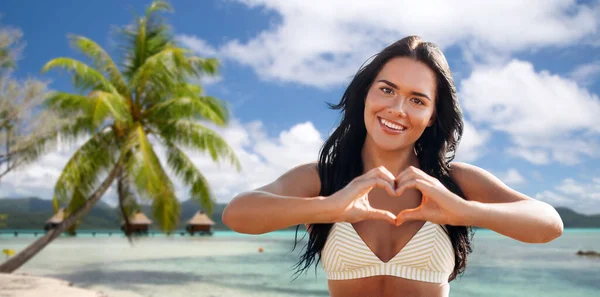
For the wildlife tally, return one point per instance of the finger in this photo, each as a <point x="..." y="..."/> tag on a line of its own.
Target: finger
<point x="405" y="175"/>
<point x="407" y="171"/>
<point x="413" y="214"/>
<point x="412" y="172"/>
<point x="380" y="182"/>
<point x="384" y="215"/>
<point x="412" y="183"/>
<point x="383" y="173"/>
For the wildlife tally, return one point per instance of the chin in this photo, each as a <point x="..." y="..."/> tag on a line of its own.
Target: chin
<point x="382" y="143"/>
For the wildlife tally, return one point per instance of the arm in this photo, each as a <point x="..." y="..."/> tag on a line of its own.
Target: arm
<point x="290" y="200"/>
<point x="495" y="206"/>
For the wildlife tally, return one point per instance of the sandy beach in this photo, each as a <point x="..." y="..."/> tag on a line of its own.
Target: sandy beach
<point x="21" y="285"/>
<point x="230" y="265"/>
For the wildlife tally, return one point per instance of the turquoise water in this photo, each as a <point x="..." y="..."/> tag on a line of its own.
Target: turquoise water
<point x="229" y="264"/>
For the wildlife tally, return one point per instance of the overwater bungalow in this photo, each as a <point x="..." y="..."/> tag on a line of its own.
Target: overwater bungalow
<point x="200" y="223"/>
<point x="56" y="219"/>
<point x="138" y="224"/>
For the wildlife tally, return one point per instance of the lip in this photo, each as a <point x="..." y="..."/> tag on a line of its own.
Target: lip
<point x="389" y="130"/>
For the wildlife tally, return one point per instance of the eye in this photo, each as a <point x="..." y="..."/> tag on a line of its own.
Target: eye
<point x="418" y="101"/>
<point x="387" y="90"/>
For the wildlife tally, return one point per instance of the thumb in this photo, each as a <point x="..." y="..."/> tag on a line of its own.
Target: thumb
<point x="409" y="215"/>
<point x="384" y="215"/>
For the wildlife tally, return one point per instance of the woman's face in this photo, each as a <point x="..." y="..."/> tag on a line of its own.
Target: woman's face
<point x="400" y="103"/>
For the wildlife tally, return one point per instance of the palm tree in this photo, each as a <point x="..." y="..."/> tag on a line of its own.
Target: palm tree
<point x="127" y="112"/>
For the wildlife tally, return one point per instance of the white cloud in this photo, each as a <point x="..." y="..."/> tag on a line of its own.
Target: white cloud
<point x="199" y="46"/>
<point x="548" y="117"/>
<point x="38" y="178"/>
<point x="554" y="198"/>
<point x="581" y="196"/>
<point x="586" y="74"/>
<point x="512" y="177"/>
<point x="262" y="158"/>
<point x="321" y="43"/>
<point x="471" y="146"/>
<point x="534" y="156"/>
<point x="572" y="187"/>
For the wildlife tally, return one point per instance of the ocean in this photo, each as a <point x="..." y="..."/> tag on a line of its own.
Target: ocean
<point x="230" y="264"/>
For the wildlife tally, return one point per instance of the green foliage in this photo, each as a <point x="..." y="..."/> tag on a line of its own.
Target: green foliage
<point x="124" y="110"/>
<point x="84" y="76"/>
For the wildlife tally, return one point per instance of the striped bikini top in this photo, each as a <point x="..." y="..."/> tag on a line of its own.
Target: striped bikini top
<point x="428" y="256"/>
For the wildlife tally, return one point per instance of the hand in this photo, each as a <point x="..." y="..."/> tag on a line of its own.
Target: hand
<point x="438" y="204"/>
<point x="351" y="204"/>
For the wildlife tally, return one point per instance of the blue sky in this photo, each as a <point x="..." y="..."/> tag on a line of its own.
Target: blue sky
<point x="528" y="77"/>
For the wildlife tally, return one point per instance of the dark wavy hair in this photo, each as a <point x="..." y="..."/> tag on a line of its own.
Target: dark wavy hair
<point x="340" y="158"/>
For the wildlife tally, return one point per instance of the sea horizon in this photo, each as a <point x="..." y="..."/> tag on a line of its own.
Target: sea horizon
<point x="234" y="264"/>
<point x="177" y="232"/>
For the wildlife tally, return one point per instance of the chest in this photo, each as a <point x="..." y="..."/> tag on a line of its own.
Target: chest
<point x="383" y="239"/>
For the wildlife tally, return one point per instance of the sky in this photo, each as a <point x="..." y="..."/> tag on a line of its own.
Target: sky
<point x="527" y="75"/>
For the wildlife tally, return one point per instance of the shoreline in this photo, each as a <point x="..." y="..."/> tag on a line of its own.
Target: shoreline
<point x="26" y="285"/>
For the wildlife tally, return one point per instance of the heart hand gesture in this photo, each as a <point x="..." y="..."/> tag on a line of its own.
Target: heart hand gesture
<point x="438" y="204"/>
<point x="351" y="204"/>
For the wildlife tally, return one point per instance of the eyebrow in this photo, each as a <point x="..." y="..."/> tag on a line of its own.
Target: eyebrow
<point x="391" y="84"/>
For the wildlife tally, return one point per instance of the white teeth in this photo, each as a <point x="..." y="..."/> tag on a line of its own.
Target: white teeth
<point x="392" y="125"/>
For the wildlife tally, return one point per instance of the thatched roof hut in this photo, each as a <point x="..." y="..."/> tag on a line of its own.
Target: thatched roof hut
<point x="138" y="223"/>
<point x="139" y="218"/>
<point x="56" y="219"/>
<point x="200" y="222"/>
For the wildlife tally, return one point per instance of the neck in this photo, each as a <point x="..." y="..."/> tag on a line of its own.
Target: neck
<point x="393" y="160"/>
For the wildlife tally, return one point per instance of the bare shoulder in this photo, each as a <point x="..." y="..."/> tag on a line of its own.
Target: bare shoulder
<point x="300" y="181"/>
<point x="480" y="185"/>
<point x="464" y="173"/>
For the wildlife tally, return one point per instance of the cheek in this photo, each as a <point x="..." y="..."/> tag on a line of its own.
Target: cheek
<point x="374" y="103"/>
<point x="421" y="116"/>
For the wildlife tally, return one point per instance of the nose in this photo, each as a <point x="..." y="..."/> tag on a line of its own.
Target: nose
<point x="397" y="108"/>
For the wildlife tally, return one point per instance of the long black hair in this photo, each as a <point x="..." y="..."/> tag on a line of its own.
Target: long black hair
<point x="340" y="158"/>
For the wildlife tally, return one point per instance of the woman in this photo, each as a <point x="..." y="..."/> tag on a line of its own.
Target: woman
<point x="388" y="214"/>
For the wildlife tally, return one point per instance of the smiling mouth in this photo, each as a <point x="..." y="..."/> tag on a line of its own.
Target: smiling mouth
<point x="391" y="125"/>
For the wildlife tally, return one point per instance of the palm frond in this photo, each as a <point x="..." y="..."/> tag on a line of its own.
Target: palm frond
<point x="201" y="66"/>
<point x="97" y="106"/>
<point x="183" y="167"/>
<point x="127" y="200"/>
<point x="79" y="126"/>
<point x="190" y="108"/>
<point x="102" y="61"/>
<point x="112" y="103"/>
<point x="158" y="6"/>
<point x="67" y="104"/>
<point x="81" y="172"/>
<point x="197" y="137"/>
<point x="166" y="211"/>
<point x="163" y="71"/>
<point x="84" y="76"/>
<point x="150" y="179"/>
<point x="78" y="199"/>
<point x="148" y="36"/>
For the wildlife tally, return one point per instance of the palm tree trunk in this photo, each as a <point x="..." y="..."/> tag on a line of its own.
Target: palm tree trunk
<point x="121" y="192"/>
<point x="18" y="260"/>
